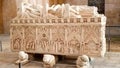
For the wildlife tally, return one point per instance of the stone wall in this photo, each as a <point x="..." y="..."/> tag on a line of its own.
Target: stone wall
<point x="9" y="12"/>
<point x="112" y="11"/>
<point x="1" y="23"/>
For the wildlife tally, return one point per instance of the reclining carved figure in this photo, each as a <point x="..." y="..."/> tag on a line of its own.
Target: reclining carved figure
<point x="29" y="11"/>
<point x="63" y="11"/>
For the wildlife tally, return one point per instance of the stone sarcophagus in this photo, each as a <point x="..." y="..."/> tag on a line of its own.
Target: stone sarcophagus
<point x="67" y="30"/>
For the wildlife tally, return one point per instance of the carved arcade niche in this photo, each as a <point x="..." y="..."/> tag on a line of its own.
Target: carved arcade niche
<point x="77" y="31"/>
<point x="43" y="39"/>
<point x="17" y="37"/>
<point x="29" y="37"/>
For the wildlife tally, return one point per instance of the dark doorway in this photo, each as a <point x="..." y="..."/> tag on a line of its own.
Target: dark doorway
<point x="98" y="3"/>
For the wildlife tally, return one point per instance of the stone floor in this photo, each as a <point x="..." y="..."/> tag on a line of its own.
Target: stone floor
<point x="7" y="59"/>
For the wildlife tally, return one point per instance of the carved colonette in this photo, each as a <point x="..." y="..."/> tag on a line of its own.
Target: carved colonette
<point x="60" y="36"/>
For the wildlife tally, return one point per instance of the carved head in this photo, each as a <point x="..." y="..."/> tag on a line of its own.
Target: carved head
<point x="48" y="58"/>
<point x="22" y="55"/>
<point x="84" y="58"/>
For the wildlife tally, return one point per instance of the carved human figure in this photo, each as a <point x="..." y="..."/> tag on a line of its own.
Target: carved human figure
<point x="74" y="45"/>
<point x="23" y="57"/>
<point x="17" y="43"/>
<point x="59" y="45"/>
<point x="30" y="44"/>
<point x="28" y="10"/>
<point x="64" y="10"/>
<point x="83" y="62"/>
<point x="44" y="43"/>
<point x="49" y="61"/>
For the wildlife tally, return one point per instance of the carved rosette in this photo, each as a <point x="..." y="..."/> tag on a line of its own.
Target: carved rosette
<point x="43" y="39"/>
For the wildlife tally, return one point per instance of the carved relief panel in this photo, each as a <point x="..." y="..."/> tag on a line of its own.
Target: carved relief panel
<point x="16" y="37"/>
<point x="58" y="38"/>
<point x="74" y="39"/>
<point x="29" y="38"/>
<point x="91" y="38"/>
<point x="43" y="38"/>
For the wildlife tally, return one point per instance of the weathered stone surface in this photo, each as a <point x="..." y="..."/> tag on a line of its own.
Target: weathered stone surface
<point x="49" y="61"/>
<point x="60" y="36"/>
<point x="22" y="58"/>
<point x="83" y="62"/>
